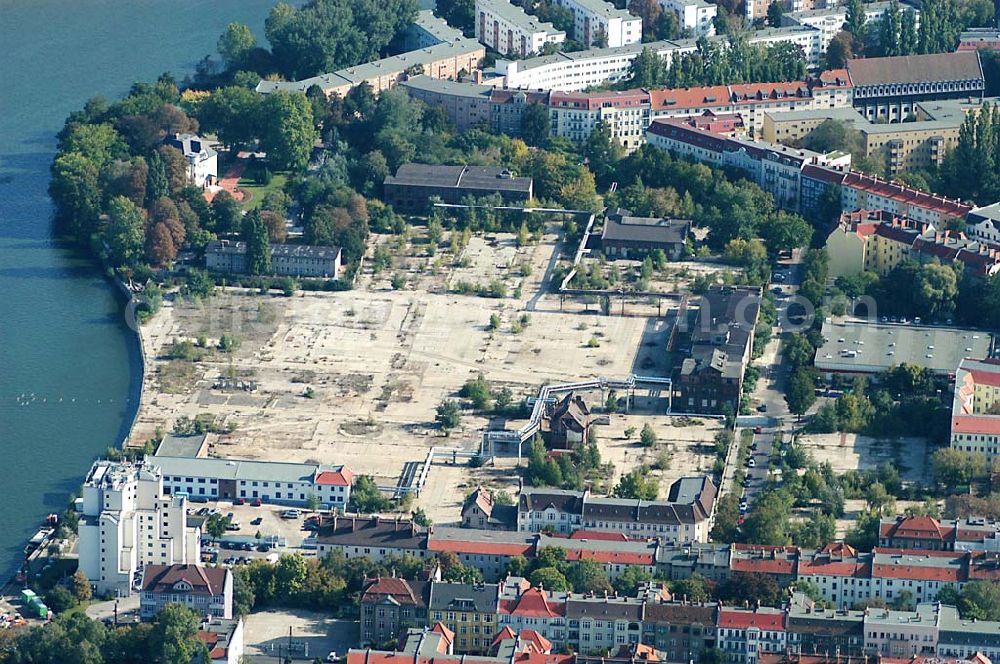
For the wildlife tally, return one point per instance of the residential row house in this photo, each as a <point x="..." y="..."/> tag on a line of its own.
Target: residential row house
<point x="878" y="241"/>
<point x="975" y="427"/>
<point x="679" y="630"/>
<point x="683" y="517"/>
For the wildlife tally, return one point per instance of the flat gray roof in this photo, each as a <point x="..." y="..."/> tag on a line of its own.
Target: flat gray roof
<point x="444" y="86"/>
<point x="174" y="445"/>
<point x="519" y="18"/>
<point x="238" y="469"/>
<point x="864" y="347"/>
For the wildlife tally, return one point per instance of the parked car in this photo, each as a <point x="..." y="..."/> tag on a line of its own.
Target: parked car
<point x="762" y="408"/>
<point x="240" y="501"/>
<point x="752" y="462"/>
<point x="290" y="514"/>
<point x="758" y="429"/>
<point x="263" y="547"/>
<point x="233" y="525"/>
<point x="257" y="520"/>
<point x="257" y="502"/>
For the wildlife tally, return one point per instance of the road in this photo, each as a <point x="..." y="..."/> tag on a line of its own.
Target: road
<point x="769" y="392"/>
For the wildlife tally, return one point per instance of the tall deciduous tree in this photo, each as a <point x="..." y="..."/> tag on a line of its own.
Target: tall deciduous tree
<point x="287" y="133"/>
<point x="235" y="44"/>
<point x="258" y="245"/>
<point x="124" y="233"/>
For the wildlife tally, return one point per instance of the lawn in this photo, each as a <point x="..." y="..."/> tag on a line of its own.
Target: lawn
<point x="255" y="192"/>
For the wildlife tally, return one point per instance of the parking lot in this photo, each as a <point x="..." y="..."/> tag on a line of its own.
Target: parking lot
<point x="256" y="526"/>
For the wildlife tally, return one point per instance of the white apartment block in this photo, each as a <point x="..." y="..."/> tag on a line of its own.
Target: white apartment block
<point x="128" y="522"/>
<point x="593" y="18"/>
<point x="696" y="16"/>
<point x="806" y="37"/>
<point x="243" y="480"/>
<point x="572" y="72"/>
<point x="509" y="30"/>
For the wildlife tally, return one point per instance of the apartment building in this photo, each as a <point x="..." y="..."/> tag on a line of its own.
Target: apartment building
<point x="974" y="425"/>
<point x="859" y="191"/>
<point x="681" y="630"/>
<point x="523" y="606"/>
<point x="287" y="260"/>
<point x="811" y="629"/>
<point x="776" y="168"/>
<point x="602" y="624"/>
<point x="428" y="30"/>
<point x="974" y="39"/>
<point x="930" y="534"/>
<point x="467" y="105"/>
<point x="983" y="223"/>
<point x="468" y="610"/>
<point x="710" y="378"/>
<point x="694" y="16"/>
<point x="391" y="605"/>
<point x="370" y="537"/>
<point x="878" y="241"/>
<point x="889" y="88"/>
<point x="208" y="591"/>
<point x="902" y="634"/>
<point x="745" y="634"/>
<point x="481" y="510"/>
<point x="488" y="551"/>
<point x="576" y="115"/>
<point x="509" y="30"/>
<point x="683" y="517"/>
<point x="129" y="522"/>
<point x="248" y="480"/>
<point x="600" y="24"/>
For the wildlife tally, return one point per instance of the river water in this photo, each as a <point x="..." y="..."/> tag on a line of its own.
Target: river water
<point x="68" y="365"/>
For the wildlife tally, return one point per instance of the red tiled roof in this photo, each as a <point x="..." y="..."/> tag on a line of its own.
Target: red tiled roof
<point x="447" y="636"/>
<point x="837" y="568"/>
<point x="599" y="535"/>
<point x="763" y="565"/>
<point x="342" y="477"/>
<point x="398" y="589"/>
<point x="917" y="573"/>
<point x="766" y="620"/>
<point x="611" y="557"/>
<point x="991" y="378"/>
<point x="532" y="639"/>
<point x="532" y="603"/>
<point x="982" y="424"/>
<point x="702" y="97"/>
<point x="203" y="580"/>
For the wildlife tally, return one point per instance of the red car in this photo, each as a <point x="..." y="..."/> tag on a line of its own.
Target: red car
<point x="256" y="502"/>
<point x="240" y="501"/>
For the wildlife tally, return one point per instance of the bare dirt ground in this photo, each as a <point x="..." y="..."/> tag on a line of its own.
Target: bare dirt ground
<point x="848" y="451"/>
<point x="354" y="377"/>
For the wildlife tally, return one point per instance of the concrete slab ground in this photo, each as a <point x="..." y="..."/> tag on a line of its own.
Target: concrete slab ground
<point x="848" y="451"/>
<point x="313" y="634"/>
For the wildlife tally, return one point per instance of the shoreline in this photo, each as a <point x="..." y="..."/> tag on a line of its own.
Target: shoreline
<point x="137" y="354"/>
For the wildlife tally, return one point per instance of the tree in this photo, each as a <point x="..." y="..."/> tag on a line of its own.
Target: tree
<point x="785" y="232"/>
<point x="227" y="216"/>
<point x="750" y="587"/>
<point x="549" y="578"/>
<point x="588" y="576"/>
<point x="448" y="416"/>
<point x="647" y="69"/>
<point x="80" y="585"/>
<point x="711" y="656"/>
<point x="775" y="12"/>
<point x="477" y="391"/>
<point x="840" y="50"/>
<point x="160" y="248"/>
<point x="648" y="436"/>
<point x="693" y="588"/>
<point x="287" y="133"/>
<point x="258" y="257"/>
<point x="216" y="525"/>
<point x="637" y="484"/>
<point x="603" y="152"/>
<point x="630" y="578"/>
<point x="801" y="391"/>
<point x="124" y="232"/>
<point x="767" y="522"/>
<point x="727" y="516"/>
<point x="233" y="113"/>
<point x="980" y="600"/>
<point x="277" y="230"/>
<point x="327" y="35"/>
<point x="879" y="500"/>
<point x="459" y="14"/>
<point x="889" y="30"/>
<point x="76" y="193"/>
<point x="174" y="636"/>
<point x="954" y="467"/>
<point x="833" y="135"/>
<point x="535" y="124"/>
<point x="235" y="44"/>
<point x="59" y="599"/>
<point x="366" y="496"/>
<point x="854" y="21"/>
